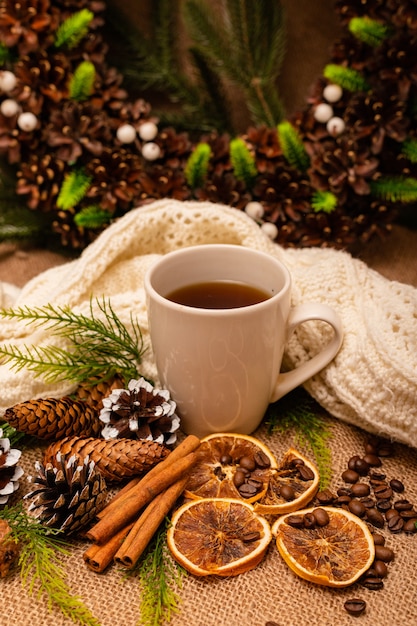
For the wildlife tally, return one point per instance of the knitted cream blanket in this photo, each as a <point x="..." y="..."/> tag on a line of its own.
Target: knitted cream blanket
<point x="372" y="383"/>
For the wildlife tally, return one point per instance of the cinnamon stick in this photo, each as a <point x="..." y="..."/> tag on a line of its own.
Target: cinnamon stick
<point x="138" y="497"/>
<point x="99" y="557"/>
<point x="188" y="445"/>
<point x="147" y="524"/>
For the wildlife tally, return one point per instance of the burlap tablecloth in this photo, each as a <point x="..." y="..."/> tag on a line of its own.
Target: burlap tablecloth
<point x="271" y="591"/>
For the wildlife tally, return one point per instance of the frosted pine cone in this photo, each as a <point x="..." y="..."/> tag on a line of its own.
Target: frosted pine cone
<point x="10" y="472"/>
<point x="141" y="412"/>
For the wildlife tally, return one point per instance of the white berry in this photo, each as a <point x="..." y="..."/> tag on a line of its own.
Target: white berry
<point x="126" y="133"/>
<point x="27" y="121"/>
<point x="148" y="131"/>
<point x="9" y="107"/>
<point x="335" y="126"/>
<point x="332" y="93"/>
<point x="255" y="210"/>
<point x="323" y="113"/>
<point x="151" y="151"/>
<point x="8" y="81"/>
<point x="270" y="230"/>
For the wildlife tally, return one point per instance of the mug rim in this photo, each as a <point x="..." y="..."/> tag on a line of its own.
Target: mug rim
<point x="152" y="292"/>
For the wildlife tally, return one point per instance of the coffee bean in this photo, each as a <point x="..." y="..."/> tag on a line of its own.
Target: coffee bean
<point x="410" y="526"/>
<point x="256" y="483"/>
<point x="374" y="583"/>
<point x="402" y="505"/>
<point x="368" y="503"/>
<point x="383" y="553"/>
<point x="262" y="460"/>
<point x="375" y="518"/>
<point x="359" y="490"/>
<point x="341" y="501"/>
<point x="255" y="535"/>
<point x="325" y="496"/>
<point x="239" y="478"/>
<point x="305" y="472"/>
<point x="309" y="520"/>
<point x="395" y="524"/>
<point x="408" y="514"/>
<point x="287" y="493"/>
<point x="247" y="491"/>
<point x="380" y="568"/>
<point x="382" y="492"/>
<point x="376" y="476"/>
<point x="391" y="513"/>
<point x="296" y="521"/>
<point x="350" y="476"/>
<point x="379" y="540"/>
<point x="352" y="462"/>
<point x="355" y="606"/>
<point x="321" y="516"/>
<point x="357" y="508"/>
<point x="372" y="460"/>
<point x="385" y="449"/>
<point x="383" y="505"/>
<point x="344" y="491"/>
<point x="396" y="485"/>
<point x="361" y="467"/>
<point x="226" y="459"/>
<point x="272" y="624"/>
<point x="248" y="463"/>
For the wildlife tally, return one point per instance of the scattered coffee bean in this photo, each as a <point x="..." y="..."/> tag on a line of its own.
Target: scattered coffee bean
<point x="296" y="521"/>
<point x="375" y="517"/>
<point x="325" y="496"/>
<point x="344" y="491"/>
<point x="379" y="540"/>
<point x="248" y="463"/>
<point x="372" y="460"/>
<point x="368" y="503"/>
<point x="309" y="520"/>
<point x="376" y="477"/>
<point x="361" y="467"/>
<point x="391" y="513"/>
<point x="350" y="476"/>
<point x="360" y="490"/>
<point x="305" y="472"/>
<point x="247" y="491"/>
<point x="380" y="568"/>
<point x="383" y="553"/>
<point x="252" y="536"/>
<point x="357" y="508"/>
<point x="272" y="624"/>
<point x="352" y="462"/>
<point x="396" y="524"/>
<point x="374" y="583"/>
<point x="341" y="500"/>
<point x="410" y="526"/>
<point x="226" y="459"/>
<point x="321" y="516"/>
<point x="408" y="514"/>
<point x="382" y="492"/>
<point x="287" y="493"/>
<point x="262" y="460"/>
<point x="383" y="505"/>
<point x="396" y="485"/>
<point x="403" y="505"/>
<point x="239" y="478"/>
<point x="355" y="606"/>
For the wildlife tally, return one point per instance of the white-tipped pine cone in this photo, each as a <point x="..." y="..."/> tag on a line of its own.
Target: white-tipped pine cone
<point x="10" y="472"/>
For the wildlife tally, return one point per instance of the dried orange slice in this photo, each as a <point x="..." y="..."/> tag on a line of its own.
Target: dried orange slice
<point x="334" y="552"/>
<point x="220" y="536"/>
<point x="291" y="486"/>
<point x="231" y="465"/>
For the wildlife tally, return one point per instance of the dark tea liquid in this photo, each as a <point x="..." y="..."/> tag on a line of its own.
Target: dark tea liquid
<point x="219" y="294"/>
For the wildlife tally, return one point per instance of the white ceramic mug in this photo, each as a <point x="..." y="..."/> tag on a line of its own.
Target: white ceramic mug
<point x="222" y="366"/>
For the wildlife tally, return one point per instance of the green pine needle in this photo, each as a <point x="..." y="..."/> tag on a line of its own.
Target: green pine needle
<point x="40" y="567"/>
<point x="73" y="189"/>
<point x="345" y="77"/>
<point x="368" y="30"/>
<point x="74" y="29"/>
<point x="82" y="82"/>
<point x="298" y="412"/>
<point x="10" y="433"/>
<point x="4" y="54"/>
<point x="395" y="189"/>
<point x="409" y="149"/>
<point x="98" y="348"/>
<point x="197" y="165"/>
<point x="292" y="146"/>
<point x="160" y="579"/>
<point x="242" y="161"/>
<point x="92" y="217"/>
<point x="324" y="201"/>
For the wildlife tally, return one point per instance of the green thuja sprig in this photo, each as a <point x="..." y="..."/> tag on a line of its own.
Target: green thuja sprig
<point x="40" y="567"/>
<point x="73" y="29"/>
<point x="292" y="146"/>
<point x="369" y="31"/>
<point x="97" y="347"/>
<point x="324" y="201"/>
<point x="298" y="412"/>
<point x="160" y="579"/>
<point x="92" y="217"/>
<point x="82" y="82"/>
<point x="346" y="77"/>
<point x="197" y="165"/>
<point x="409" y="149"/>
<point x="395" y="189"/>
<point x="73" y="189"/>
<point x="243" y="162"/>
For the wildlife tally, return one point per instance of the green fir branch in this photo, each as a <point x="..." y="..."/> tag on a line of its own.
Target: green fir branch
<point x="369" y="31"/>
<point x="298" y="412"/>
<point x="92" y="216"/>
<point x="160" y="578"/>
<point x="409" y="149"/>
<point x="243" y="161"/>
<point x="346" y="77"/>
<point x="4" y="54"/>
<point x="97" y="348"/>
<point x="81" y="85"/>
<point x="73" y="189"/>
<point x="395" y="189"/>
<point x="324" y="201"/>
<point x="292" y="146"/>
<point x="41" y="571"/>
<point x="10" y="433"/>
<point x="73" y="29"/>
<point x="197" y="165"/>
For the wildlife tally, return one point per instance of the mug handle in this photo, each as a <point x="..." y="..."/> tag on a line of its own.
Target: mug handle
<point x="287" y="381"/>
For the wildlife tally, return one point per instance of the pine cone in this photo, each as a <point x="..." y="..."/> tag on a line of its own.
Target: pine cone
<point x="69" y="493"/>
<point x="53" y="418"/>
<point x="140" y="412"/>
<point x="92" y="393"/>
<point x="9" y="549"/>
<point x="115" y="458"/>
<point x="10" y="472"/>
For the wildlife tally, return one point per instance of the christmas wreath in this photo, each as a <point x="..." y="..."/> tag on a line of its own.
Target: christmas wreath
<point x="83" y="152"/>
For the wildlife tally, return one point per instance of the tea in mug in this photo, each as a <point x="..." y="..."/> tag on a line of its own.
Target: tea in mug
<point x="218" y="294"/>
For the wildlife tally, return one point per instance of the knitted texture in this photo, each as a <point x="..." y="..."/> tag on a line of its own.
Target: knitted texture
<point x="372" y="383"/>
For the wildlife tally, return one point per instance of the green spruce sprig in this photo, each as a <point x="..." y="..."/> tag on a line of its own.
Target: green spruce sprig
<point x="292" y="146"/>
<point x="409" y="149"/>
<point x="324" y="201"/>
<point x="197" y="165"/>
<point x="395" y="189"/>
<point x="369" y="31"/>
<point x="298" y="412"/>
<point x="10" y="433"/>
<point x="243" y="161"/>
<point x="73" y="189"/>
<point x="92" y="216"/>
<point x="40" y="567"/>
<point x="81" y="85"/>
<point x="97" y="348"/>
<point x="73" y="29"/>
<point x="346" y="77"/>
<point x="160" y="579"/>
